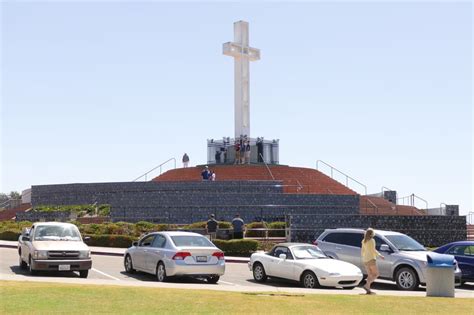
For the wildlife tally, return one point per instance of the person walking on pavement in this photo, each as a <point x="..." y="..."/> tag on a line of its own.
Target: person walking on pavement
<point x="211" y="227"/>
<point x="369" y="258"/>
<point x="238" y="225"/>
<point x="185" y="160"/>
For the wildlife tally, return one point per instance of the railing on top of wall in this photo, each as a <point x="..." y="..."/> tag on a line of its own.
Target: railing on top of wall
<point x="410" y="200"/>
<point x="342" y="173"/>
<point x="156" y="167"/>
<point x="470" y="218"/>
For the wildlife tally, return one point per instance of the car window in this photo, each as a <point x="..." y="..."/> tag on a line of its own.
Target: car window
<point x="378" y="242"/>
<point x="308" y="252"/>
<point x="56" y="233"/>
<point x="159" y="241"/>
<point x="469" y="250"/>
<point x="147" y="241"/>
<point x="460" y="250"/>
<point x="350" y="239"/>
<point x="282" y="250"/>
<point x="191" y="241"/>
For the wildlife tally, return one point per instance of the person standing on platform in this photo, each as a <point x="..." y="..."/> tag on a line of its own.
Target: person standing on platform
<point x="211" y="227"/>
<point x="369" y="258"/>
<point x="225" y="155"/>
<point x="206" y="174"/>
<point x="247" y="152"/>
<point x="238" y="226"/>
<point x="185" y="160"/>
<point x="213" y="176"/>
<point x="218" y="156"/>
<point x="237" y="153"/>
<point x="242" y="152"/>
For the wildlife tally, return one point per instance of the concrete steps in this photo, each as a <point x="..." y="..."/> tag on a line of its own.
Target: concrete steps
<point x="372" y="205"/>
<point x="295" y="179"/>
<point x="9" y="214"/>
<point x="470" y="232"/>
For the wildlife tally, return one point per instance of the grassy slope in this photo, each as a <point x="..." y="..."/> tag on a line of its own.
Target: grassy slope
<point x="46" y="298"/>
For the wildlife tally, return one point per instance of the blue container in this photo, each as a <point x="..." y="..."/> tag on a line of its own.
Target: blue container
<point x="436" y="260"/>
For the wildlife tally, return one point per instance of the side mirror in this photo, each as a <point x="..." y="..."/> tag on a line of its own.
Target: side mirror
<point x="25" y="238"/>
<point x="282" y="256"/>
<point x="87" y="238"/>
<point x="135" y="244"/>
<point x="385" y="248"/>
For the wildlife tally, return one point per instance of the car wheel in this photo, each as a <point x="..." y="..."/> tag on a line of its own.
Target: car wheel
<point x="259" y="273"/>
<point x="213" y="279"/>
<point x="83" y="273"/>
<point x="32" y="271"/>
<point x="309" y="280"/>
<point x="161" y="272"/>
<point x="406" y="279"/>
<point x="128" y="264"/>
<point x="22" y="263"/>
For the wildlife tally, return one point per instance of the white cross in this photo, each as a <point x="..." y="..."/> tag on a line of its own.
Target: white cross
<point x="242" y="53"/>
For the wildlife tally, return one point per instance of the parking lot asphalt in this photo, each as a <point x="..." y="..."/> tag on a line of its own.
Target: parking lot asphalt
<point x="109" y="270"/>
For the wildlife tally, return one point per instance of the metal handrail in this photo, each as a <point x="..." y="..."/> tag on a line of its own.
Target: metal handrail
<point x="159" y="166"/>
<point x="8" y="202"/>
<point x="374" y="205"/>
<point x="342" y="173"/>
<point x="470" y="218"/>
<point x="411" y="199"/>
<point x="386" y="188"/>
<point x="266" y="165"/>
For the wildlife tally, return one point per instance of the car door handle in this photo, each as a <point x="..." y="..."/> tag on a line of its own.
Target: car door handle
<point x="338" y="248"/>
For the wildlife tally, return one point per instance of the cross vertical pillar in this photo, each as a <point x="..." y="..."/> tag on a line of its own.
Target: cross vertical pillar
<point x="243" y="54"/>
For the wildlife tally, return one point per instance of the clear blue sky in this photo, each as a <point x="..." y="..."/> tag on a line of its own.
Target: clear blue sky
<point x="104" y="91"/>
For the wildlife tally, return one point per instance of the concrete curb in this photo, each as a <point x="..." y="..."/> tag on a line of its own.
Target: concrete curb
<point x="242" y="260"/>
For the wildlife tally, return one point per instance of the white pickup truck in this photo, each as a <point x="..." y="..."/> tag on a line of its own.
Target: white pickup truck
<point x="54" y="246"/>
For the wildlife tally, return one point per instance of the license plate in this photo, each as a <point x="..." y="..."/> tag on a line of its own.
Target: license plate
<point x="64" y="267"/>
<point x="201" y="258"/>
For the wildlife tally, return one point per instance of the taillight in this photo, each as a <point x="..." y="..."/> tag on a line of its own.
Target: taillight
<point x="315" y="242"/>
<point x="219" y="255"/>
<point x="181" y="255"/>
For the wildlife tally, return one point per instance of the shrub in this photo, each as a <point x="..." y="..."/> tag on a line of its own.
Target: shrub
<point x="202" y="225"/>
<point x="10" y="235"/>
<point x="255" y="225"/>
<point x="237" y="247"/>
<point x="122" y="241"/>
<point x="144" y="227"/>
<point x="277" y="225"/>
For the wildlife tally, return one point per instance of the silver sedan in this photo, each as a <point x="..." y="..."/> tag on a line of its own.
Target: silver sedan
<point x="168" y="254"/>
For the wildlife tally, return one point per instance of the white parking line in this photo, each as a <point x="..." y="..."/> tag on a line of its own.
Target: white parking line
<point x="104" y="274"/>
<point x="225" y="282"/>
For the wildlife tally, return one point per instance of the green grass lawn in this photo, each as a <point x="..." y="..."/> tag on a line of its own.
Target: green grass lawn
<point x="47" y="298"/>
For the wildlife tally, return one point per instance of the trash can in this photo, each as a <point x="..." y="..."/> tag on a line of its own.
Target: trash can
<point x="440" y="275"/>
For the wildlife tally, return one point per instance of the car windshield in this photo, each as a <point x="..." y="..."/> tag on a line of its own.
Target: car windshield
<point x="404" y="242"/>
<point x="308" y="252"/>
<point x="57" y="233"/>
<point x="191" y="240"/>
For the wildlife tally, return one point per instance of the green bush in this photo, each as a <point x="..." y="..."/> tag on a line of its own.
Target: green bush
<point x="237" y="247"/>
<point x="9" y="235"/>
<point x="277" y="225"/>
<point x="255" y="225"/>
<point x="202" y="225"/>
<point x="121" y="241"/>
<point x="80" y="210"/>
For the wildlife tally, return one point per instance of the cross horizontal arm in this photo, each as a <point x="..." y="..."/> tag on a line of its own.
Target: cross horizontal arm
<point x="236" y="50"/>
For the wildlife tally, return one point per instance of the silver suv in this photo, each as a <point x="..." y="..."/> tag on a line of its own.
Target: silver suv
<point x="405" y="259"/>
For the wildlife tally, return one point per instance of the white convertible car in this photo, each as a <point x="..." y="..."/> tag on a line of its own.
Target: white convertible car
<point x="306" y="264"/>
